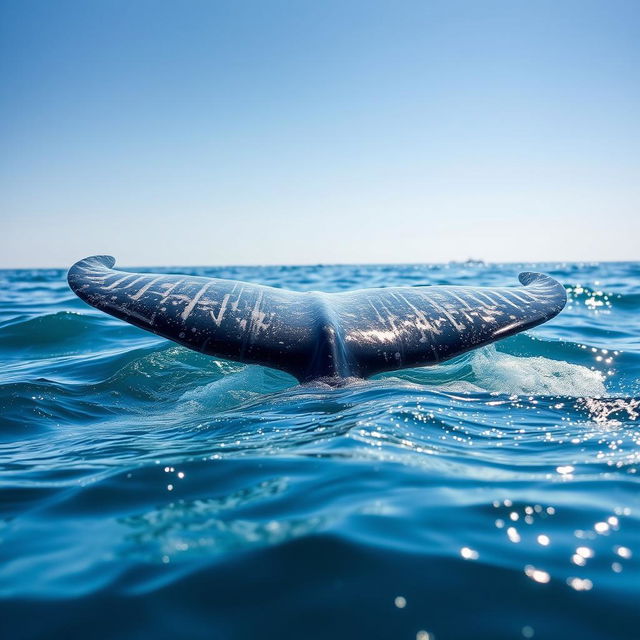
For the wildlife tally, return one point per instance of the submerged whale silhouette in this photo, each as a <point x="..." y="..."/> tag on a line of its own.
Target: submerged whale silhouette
<point x="317" y="335"/>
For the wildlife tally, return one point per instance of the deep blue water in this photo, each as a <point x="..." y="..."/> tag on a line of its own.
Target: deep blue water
<point x="150" y="491"/>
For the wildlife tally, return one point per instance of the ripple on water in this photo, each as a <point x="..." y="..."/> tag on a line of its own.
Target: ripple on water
<point x="495" y="495"/>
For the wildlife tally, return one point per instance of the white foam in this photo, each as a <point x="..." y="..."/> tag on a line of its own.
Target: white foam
<point x="505" y="373"/>
<point x="224" y="393"/>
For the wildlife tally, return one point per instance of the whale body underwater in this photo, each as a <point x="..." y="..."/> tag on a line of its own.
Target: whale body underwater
<point x="314" y="335"/>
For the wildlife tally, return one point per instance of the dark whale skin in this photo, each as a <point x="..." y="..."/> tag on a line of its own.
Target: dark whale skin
<point x="315" y="335"/>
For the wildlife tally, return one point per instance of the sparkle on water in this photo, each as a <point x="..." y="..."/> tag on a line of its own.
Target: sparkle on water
<point x="146" y="487"/>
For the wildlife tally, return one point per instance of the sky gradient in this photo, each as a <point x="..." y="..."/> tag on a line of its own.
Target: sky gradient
<point x="184" y="133"/>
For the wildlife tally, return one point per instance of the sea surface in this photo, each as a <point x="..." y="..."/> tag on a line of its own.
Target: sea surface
<point x="150" y="491"/>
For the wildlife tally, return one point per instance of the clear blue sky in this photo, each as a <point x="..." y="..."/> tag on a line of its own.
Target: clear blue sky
<point x="245" y="132"/>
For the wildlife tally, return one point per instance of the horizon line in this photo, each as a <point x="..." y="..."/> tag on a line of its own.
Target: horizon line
<point x="468" y="262"/>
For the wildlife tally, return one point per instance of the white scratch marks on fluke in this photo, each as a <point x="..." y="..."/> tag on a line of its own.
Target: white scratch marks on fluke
<point x="318" y="335"/>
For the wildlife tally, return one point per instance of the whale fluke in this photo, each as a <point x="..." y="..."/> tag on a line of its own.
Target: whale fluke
<point x="317" y="335"/>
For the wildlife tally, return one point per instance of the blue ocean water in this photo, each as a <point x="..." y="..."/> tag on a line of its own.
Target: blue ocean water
<point x="149" y="491"/>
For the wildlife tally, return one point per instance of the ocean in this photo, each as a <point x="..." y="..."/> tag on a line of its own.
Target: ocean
<point x="150" y="491"/>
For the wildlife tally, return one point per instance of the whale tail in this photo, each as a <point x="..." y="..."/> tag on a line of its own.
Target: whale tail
<point x="317" y="335"/>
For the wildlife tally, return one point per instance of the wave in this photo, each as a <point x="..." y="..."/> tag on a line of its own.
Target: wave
<point x="489" y="369"/>
<point x="534" y="375"/>
<point x="137" y="473"/>
<point x="62" y="332"/>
